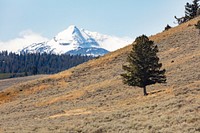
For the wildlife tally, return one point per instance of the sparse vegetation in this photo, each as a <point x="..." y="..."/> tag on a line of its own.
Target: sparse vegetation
<point x="144" y="67"/>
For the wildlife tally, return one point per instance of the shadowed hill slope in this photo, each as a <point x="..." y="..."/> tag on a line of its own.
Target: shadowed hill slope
<point x="92" y="98"/>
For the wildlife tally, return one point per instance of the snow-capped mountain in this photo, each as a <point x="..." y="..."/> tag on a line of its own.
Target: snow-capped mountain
<point x="78" y="41"/>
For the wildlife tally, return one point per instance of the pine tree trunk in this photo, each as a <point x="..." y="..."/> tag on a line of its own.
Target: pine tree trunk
<point x="145" y="91"/>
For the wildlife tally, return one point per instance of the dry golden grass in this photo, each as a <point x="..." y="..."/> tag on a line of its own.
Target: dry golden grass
<point x="92" y="98"/>
<point x="72" y="112"/>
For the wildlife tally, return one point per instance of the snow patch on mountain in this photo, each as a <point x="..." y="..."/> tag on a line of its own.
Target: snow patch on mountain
<point x="110" y="43"/>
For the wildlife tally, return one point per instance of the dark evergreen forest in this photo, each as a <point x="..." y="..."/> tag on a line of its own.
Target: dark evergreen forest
<point x="32" y="64"/>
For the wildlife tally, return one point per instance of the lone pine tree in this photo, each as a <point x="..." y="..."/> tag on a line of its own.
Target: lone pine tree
<point x="143" y="66"/>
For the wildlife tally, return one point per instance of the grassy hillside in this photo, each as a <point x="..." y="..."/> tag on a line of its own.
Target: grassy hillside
<point x="92" y="98"/>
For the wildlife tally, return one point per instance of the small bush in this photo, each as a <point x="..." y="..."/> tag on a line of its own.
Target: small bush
<point x="167" y="27"/>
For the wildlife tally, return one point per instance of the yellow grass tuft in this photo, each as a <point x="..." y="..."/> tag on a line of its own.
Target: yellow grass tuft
<point x="81" y="111"/>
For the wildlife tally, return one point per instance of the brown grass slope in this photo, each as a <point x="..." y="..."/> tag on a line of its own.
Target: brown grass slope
<point x="92" y="98"/>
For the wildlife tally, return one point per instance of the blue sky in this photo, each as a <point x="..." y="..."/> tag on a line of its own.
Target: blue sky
<point x="113" y="17"/>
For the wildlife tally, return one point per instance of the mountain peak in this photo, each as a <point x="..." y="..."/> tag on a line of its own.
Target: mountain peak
<point x="72" y="29"/>
<point x="68" y="33"/>
<point x="74" y="40"/>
